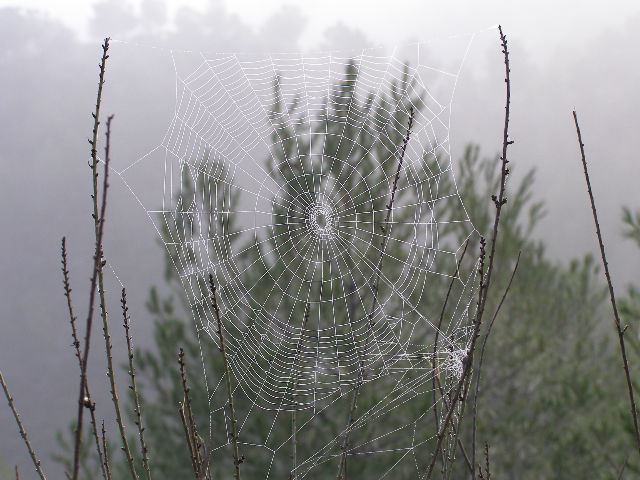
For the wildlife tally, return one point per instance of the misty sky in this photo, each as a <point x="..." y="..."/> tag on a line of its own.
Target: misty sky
<point x="564" y="55"/>
<point x="543" y="26"/>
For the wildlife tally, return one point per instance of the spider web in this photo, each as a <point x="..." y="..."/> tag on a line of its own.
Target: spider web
<point x="278" y="172"/>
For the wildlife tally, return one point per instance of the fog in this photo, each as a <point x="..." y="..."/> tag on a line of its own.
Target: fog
<point x="584" y="58"/>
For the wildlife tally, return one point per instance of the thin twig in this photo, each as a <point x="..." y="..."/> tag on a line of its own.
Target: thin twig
<point x="189" y="422"/>
<point x="293" y="475"/>
<point x="237" y="459"/>
<point x="486" y="456"/>
<point x="457" y="394"/>
<point x="623" y="468"/>
<point x="67" y="293"/>
<point x="480" y="361"/>
<point x="342" y="470"/>
<point x="107" y="468"/>
<point x="434" y="359"/>
<point x="87" y="401"/>
<point x="465" y="455"/>
<point x="98" y="220"/>
<point x="133" y="386"/>
<point x="437" y="385"/>
<point x="187" y="436"/>
<point x="499" y="201"/>
<point x="23" y="432"/>
<point x="105" y="321"/>
<point x="386" y="228"/>
<point x="619" y="328"/>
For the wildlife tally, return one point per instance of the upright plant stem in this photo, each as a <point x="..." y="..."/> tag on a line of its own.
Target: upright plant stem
<point x="105" y="449"/>
<point x="105" y="320"/>
<point x="134" y="387"/>
<point x="485" y="277"/>
<point x="442" y="393"/>
<point x="436" y="384"/>
<point x="23" y="432"/>
<point x="294" y="422"/>
<point x="500" y="199"/>
<point x="480" y="361"/>
<point x="189" y="423"/>
<point x="487" y="472"/>
<point x="487" y="462"/>
<point x="188" y="438"/>
<point x="616" y="317"/>
<point x="434" y="360"/>
<point x="237" y="459"/>
<point x="457" y="393"/>
<point x="98" y="220"/>
<point x="386" y="228"/>
<point x="87" y="401"/>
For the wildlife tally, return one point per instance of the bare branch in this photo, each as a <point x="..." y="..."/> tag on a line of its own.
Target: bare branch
<point x="486" y="458"/>
<point x="188" y="421"/>
<point x="87" y="401"/>
<point x="616" y="317"/>
<point x="23" y="432"/>
<point x="386" y="228"/>
<point x="480" y="361"/>
<point x="133" y="386"/>
<point x="107" y="468"/>
<point x="293" y="475"/>
<point x="434" y="360"/>
<point x="623" y="468"/>
<point x="237" y="459"/>
<point x="105" y="321"/>
<point x="499" y="201"/>
<point x="98" y="220"/>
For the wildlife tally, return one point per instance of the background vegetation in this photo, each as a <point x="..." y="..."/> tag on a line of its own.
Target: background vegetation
<point x="552" y="402"/>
